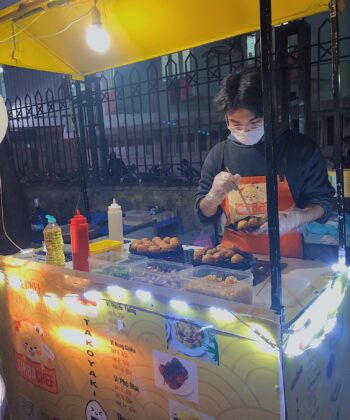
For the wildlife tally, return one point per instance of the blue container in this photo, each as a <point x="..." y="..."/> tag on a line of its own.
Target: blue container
<point x="38" y="223"/>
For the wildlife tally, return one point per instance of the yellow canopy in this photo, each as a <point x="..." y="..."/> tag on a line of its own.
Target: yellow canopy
<point x="50" y="35"/>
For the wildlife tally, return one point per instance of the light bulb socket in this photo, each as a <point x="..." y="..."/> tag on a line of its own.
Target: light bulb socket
<point x="96" y="16"/>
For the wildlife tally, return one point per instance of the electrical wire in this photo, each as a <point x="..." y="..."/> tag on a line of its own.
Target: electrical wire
<point x="3" y="221"/>
<point x="38" y="38"/>
<point x="65" y="28"/>
<point x="3" y="41"/>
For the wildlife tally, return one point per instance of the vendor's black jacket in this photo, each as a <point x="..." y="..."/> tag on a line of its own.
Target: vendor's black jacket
<point x="298" y="159"/>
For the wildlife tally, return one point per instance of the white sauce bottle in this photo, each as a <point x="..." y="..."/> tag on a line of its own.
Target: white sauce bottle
<point x="115" y="222"/>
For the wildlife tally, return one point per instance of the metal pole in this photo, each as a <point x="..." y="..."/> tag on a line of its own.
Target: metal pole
<point x="82" y="174"/>
<point x="338" y="140"/>
<point x="103" y="146"/>
<point x="304" y="72"/>
<point x="271" y="152"/>
<point x="82" y="135"/>
<point x="92" y="127"/>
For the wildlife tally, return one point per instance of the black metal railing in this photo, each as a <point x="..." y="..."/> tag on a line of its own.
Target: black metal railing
<point x="151" y="121"/>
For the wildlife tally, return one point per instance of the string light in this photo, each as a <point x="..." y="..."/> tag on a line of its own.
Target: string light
<point x="179" y="305"/>
<point x="51" y="300"/>
<point x="222" y="315"/>
<point x="339" y="267"/>
<point x="316" y="322"/>
<point x="32" y="295"/>
<point x="143" y="295"/>
<point x="93" y="296"/>
<point x="15" y="282"/>
<point x="116" y="292"/>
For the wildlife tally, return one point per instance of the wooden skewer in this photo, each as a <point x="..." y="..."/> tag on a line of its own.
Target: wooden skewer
<point x="241" y="195"/>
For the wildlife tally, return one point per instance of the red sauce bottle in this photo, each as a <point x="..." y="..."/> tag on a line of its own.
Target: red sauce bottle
<point x="79" y="233"/>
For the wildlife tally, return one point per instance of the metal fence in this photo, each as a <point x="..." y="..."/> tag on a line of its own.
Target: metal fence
<point x="154" y="121"/>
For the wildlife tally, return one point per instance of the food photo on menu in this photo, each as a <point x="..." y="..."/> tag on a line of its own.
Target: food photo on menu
<point x="192" y="339"/>
<point x="175" y="375"/>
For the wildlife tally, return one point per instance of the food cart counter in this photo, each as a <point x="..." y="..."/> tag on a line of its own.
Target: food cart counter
<point x="95" y="346"/>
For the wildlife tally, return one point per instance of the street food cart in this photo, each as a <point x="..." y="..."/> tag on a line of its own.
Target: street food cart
<point x="93" y="346"/>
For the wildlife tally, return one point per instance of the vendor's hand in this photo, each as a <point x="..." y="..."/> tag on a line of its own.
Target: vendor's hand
<point x="224" y="183"/>
<point x="290" y="220"/>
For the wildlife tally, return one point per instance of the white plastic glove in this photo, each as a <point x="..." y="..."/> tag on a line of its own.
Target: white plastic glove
<point x="290" y="220"/>
<point x="224" y="183"/>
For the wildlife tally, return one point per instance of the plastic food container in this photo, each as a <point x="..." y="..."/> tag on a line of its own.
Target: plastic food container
<point x="105" y="246"/>
<point x="122" y="265"/>
<point x="219" y="282"/>
<point x="161" y="273"/>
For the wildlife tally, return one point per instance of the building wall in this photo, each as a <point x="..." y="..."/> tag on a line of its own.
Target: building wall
<point x="325" y="69"/>
<point x="20" y="82"/>
<point x="62" y="200"/>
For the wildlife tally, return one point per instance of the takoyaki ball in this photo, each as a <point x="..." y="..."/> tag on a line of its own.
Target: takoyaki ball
<point x="237" y="258"/>
<point x="174" y="242"/>
<point x="223" y="253"/>
<point x="153" y="249"/>
<point x="156" y="239"/>
<point x="254" y="222"/>
<point x="166" y="248"/>
<point x="141" y="249"/>
<point x="219" y="247"/>
<point x="198" y="254"/>
<point x="242" y="225"/>
<point x="211" y="251"/>
<point x="167" y="239"/>
<point x="229" y="253"/>
<point x="208" y="259"/>
<point x="231" y="280"/>
<point x="217" y="256"/>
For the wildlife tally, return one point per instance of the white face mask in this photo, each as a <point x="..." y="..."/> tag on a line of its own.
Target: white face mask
<point x="249" y="138"/>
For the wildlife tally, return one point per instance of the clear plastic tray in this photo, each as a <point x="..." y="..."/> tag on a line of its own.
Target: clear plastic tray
<point x="161" y="273"/>
<point x="206" y="280"/>
<point x="118" y="264"/>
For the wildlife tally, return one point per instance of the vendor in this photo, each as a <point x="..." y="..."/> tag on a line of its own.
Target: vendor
<point x="233" y="177"/>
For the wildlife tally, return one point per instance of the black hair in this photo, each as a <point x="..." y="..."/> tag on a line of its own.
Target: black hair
<point x="240" y="90"/>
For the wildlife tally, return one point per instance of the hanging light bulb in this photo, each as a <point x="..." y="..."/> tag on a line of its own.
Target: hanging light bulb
<point x="3" y="119"/>
<point x="96" y="37"/>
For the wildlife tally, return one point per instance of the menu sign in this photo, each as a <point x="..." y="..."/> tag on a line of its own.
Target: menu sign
<point x="72" y="350"/>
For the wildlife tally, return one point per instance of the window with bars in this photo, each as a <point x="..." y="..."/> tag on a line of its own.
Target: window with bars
<point x="251" y="41"/>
